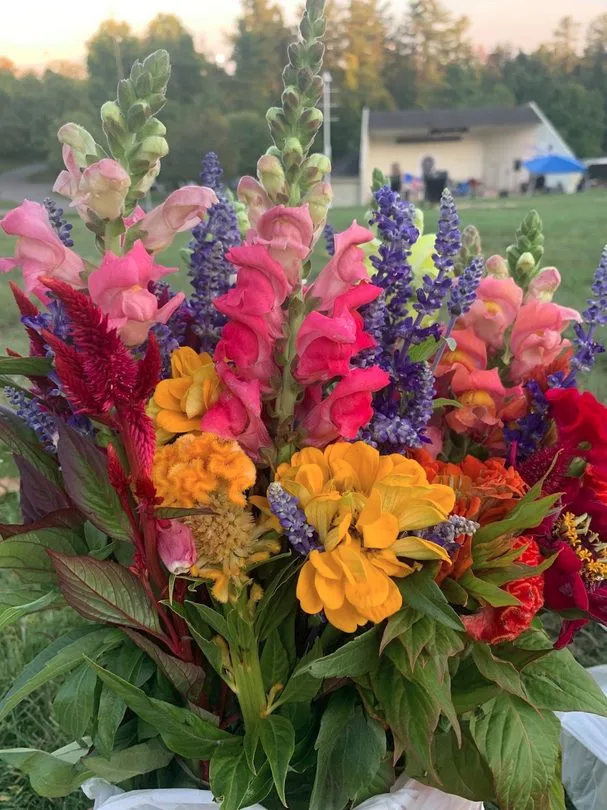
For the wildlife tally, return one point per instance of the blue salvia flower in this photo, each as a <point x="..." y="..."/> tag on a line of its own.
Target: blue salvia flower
<point x="595" y="315"/>
<point x="463" y="292"/>
<point x="329" y="236"/>
<point x="30" y="410"/>
<point x="527" y="433"/>
<point x="61" y="226"/>
<point x="444" y="534"/>
<point x="301" y="536"/>
<point x="210" y="272"/>
<point x="432" y="293"/>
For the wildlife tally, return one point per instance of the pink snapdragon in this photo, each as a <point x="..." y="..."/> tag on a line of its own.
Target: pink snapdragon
<point x="345" y="410"/>
<point x="237" y="413"/>
<point x="247" y="343"/>
<point x="255" y="197"/>
<point x="39" y="251"/>
<point x="497" y="303"/>
<point x="103" y="188"/>
<point x="181" y="211"/>
<point x="345" y="269"/>
<point x="536" y="338"/>
<point x="544" y="285"/>
<point x="287" y="233"/>
<point x="470" y="351"/>
<point x="325" y="344"/>
<point x="119" y="287"/>
<point x="483" y="399"/>
<point x="176" y="546"/>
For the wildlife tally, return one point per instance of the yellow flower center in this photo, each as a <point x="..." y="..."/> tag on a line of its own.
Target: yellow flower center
<point x="575" y="530"/>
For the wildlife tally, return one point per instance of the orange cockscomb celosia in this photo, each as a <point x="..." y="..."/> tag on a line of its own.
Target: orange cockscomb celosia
<point x="365" y="509"/>
<point x="180" y="402"/>
<point x="204" y="470"/>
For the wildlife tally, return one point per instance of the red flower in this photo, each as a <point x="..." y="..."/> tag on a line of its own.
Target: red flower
<point x="580" y="418"/>
<point x="496" y="625"/>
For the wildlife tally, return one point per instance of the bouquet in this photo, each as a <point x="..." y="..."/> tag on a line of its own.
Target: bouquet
<point x="311" y="518"/>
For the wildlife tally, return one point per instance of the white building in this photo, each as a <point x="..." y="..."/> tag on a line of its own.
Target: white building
<point x="488" y="145"/>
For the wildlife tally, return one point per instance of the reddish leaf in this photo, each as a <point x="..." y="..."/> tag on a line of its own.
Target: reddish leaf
<point x="61" y="519"/>
<point x="187" y="678"/>
<point x="104" y="591"/>
<point x="39" y="496"/>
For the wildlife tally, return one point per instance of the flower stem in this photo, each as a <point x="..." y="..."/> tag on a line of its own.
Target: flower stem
<point x="246" y="669"/>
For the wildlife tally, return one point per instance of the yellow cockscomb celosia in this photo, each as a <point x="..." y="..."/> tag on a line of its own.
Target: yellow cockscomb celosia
<point x="204" y="470"/>
<point x="180" y="402"/>
<point x="361" y="504"/>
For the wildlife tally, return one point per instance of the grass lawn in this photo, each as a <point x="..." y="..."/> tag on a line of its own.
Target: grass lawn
<point x="576" y="230"/>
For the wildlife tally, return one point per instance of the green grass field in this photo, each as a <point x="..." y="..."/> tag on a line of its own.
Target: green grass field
<point x="575" y="229"/>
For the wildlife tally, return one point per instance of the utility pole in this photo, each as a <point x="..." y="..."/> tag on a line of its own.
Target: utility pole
<point x="326" y="112"/>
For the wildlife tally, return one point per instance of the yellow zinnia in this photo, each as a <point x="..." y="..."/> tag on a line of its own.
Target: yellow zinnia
<point x="361" y="505"/>
<point x="180" y="402"/>
<point x="204" y="470"/>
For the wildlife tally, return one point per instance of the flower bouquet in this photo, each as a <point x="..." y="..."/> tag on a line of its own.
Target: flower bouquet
<point x="310" y="518"/>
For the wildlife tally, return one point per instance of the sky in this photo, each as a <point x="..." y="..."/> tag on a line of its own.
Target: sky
<point x="34" y="32"/>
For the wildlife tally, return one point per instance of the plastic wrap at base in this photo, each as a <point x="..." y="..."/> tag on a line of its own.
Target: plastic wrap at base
<point x="584" y="740"/>
<point x="409" y="795"/>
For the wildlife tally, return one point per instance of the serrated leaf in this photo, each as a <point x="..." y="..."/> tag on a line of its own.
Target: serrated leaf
<point x="421" y="592"/>
<point x="12" y="614"/>
<point x="60" y="657"/>
<point x="130" y="762"/>
<point x="182" y="730"/>
<point x="382" y="782"/>
<point x="51" y="775"/>
<point x="22" y="441"/>
<point x="485" y="591"/>
<point x="75" y="701"/>
<point x="302" y="688"/>
<point x="86" y="481"/>
<point x="527" y="514"/>
<point x="469" y="689"/>
<point x="500" y="672"/>
<point x="420" y="636"/>
<point x="186" y="677"/>
<point x="355" y="658"/>
<point x="350" y="748"/>
<point x="411" y="712"/>
<point x="230" y="777"/>
<point x="274" y="661"/>
<point x="278" y="741"/>
<point x="39" y="496"/>
<point x="521" y="747"/>
<point x="556" y="682"/>
<point x="399" y="624"/>
<point x="104" y="591"/>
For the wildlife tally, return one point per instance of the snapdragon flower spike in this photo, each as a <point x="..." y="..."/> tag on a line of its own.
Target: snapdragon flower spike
<point x="595" y="315"/>
<point x="61" y="225"/>
<point x="210" y="272"/>
<point x="32" y="412"/>
<point x="300" y="534"/>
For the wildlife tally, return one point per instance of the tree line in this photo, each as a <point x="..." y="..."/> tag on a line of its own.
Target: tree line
<point x="423" y="58"/>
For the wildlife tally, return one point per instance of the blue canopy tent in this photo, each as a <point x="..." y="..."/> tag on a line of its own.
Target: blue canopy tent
<point x="554" y="164"/>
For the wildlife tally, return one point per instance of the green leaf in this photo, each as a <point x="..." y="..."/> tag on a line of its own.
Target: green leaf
<point x="486" y="592"/>
<point x="500" y="672"/>
<point x="278" y="741"/>
<point x="86" y="480"/>
<point x="527" y="514"/>
<point x="182" y="730"/>
<point x="26" y="555"/>
<point x="469" y="689"/>
<point x="104" y="591"/>
<point x="355" y="658"/>
<point x="556" y="794"/>
<point x="421" y="634"/>
<point x="51" y="775"/>
<point x="399" y="624"/>
<point x="75" y="701"/>
<point x="22" y="441"/>
<point x="521" y="747"/>
<point x="424" y="350"/>
<point x="302" y="687"/>
<point x="12" y="614"/>
<point x="209" y="616"/>
<point x="129" y="762"/>
<point x="421" y="592"/>
<point x="277" y="601"/>
<point x="230" y="777"/>
<point x="274" y="661"/>
<point x="125" y="662"/>
<point x="556" y="682"/>
<point x="186" y="677"/>
<point x="382" y="782"/>
<point x="411" y="712"/>
<point x="445" y="402"/>
<point x="26" y="366"/>
<point x="350" y="748"/>
<point x="60" y="657"/>
<point x="175" y="512"/>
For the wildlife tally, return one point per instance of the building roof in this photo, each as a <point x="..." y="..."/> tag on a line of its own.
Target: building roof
<point x="454" y="119"/>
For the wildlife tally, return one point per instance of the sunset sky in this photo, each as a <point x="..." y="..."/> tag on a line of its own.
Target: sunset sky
<point x="34" y="32"/>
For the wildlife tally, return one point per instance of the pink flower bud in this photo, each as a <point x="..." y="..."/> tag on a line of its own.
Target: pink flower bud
<point x="181" y="211"/>
<point x="104" y="186"/>
<point x="544" y="285"/>
<point x="271" y="174"/>
<point x="497" y="266"/>
<point x="176" y="546"/>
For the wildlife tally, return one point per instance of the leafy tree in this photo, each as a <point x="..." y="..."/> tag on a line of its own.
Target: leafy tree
<point x="110" y="53"/>
<point x="593" y="69"/>
<point x="166" y="31"/>
<point x="250" y="137"/>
